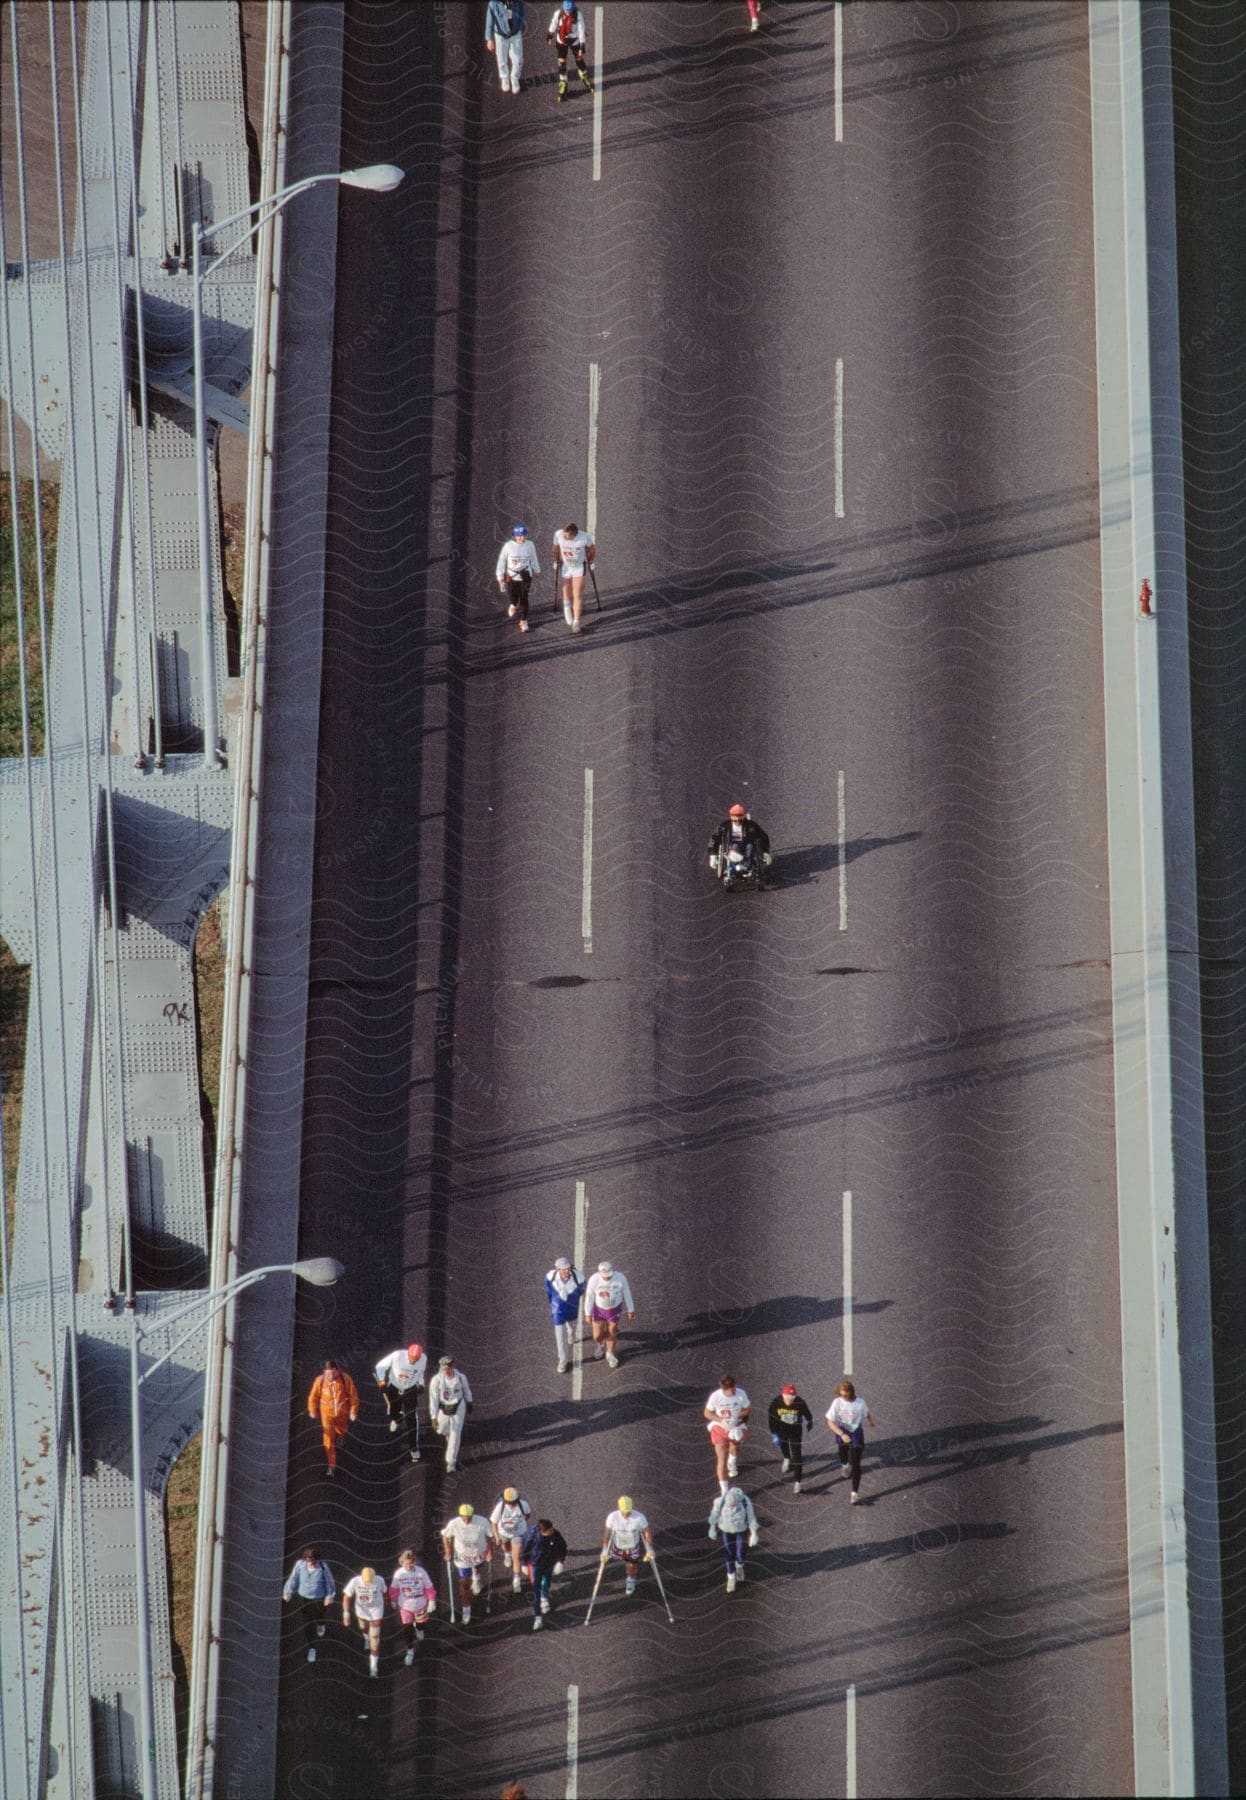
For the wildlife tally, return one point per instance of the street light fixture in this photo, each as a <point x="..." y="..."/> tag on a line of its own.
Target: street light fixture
<point x="319" y="1271"/>
<point x="377" y="178"/>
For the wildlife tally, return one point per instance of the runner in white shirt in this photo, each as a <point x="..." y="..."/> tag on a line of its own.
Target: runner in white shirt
<point x="726" y="1414"/>
<point x="367" y="1590"/>
<point x="400" y="1377"/>
<point x="607" y="1297"/>
<point x="847" y="1416"/>
<point x="412" y="1593"/>
<point x="517" y="564"/>
<point x="576" y="551"/>
<point x="511" y="1519"/>
<point x="468" y="1543"/>
<point x="628" y="1535"/>
<point x="449" y="1402"/>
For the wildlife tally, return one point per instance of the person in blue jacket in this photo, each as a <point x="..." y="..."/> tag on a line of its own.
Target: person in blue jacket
<point x="564" y="1288"/>
<point x="311" y="1584"/>
<point x="545" y="1552"/>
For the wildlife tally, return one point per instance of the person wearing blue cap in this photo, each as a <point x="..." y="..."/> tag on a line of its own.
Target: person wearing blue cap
<point x="567" y="31"/>
<point x="517" y="564"/>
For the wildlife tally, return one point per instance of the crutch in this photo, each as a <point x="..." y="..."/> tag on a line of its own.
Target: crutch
<point x="596" y="595"/>
<point x="657" y="1576"/>
<point x="489" y="1589"/>
<point x="601" y="1569"/>
<point x="555" y="572"/>
<point x="450" y="1585"/>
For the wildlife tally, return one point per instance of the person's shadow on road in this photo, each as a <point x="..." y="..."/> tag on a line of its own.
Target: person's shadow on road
<point x="794" y="868"/>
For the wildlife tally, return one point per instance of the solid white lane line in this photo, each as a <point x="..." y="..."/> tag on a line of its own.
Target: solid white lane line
<point x="850" y="1721"/>
<point x="847" y="1281"/>
<point x="590" y="504"/>
<point x="578" y="1254"/>
<point x="598" y="60"/>
<point x="573" y="1742"/>
<point x="842" y="848"/>
<point x="839" y="437"/>
<point x="586" y="893"/>
<point x="839" y="72"/>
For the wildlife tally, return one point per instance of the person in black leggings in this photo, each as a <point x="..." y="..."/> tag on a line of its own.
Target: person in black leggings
<point x="847" y="1416"/>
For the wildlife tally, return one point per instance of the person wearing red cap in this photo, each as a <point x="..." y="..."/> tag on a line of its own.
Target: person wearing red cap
<point x="400" y="1377"/>
<point x="740" y="829"/>
<point x="789" y="1418"/>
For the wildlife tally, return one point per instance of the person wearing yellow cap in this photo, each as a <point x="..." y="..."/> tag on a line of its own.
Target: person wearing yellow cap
<point x="367" y="1591"/>
<point x="468" y="1544"/>
<point x="628" y="1536"/>
<point x="511" y="1520"/>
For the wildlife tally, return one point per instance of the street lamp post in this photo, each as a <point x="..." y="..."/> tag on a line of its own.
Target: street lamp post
<point x="320" y="1271"/>
<point x="379" y="178"/>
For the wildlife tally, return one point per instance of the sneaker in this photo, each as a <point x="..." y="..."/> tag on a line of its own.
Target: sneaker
<point x="311" y="1654"/>
<point x="567" y="615"/>
<point x="329" y="1474"/>
<point x="373" y="1670"/>
<point x="562" y="1368"/>
<point x="466" y="1615"/>
<point x="393" y="1424"/>
<point x="612" y="1361"/>
<point x="562" y="90"/>
<point x="320" y="1631"/>
<point x="576" y="626"/>
<point x="523" y="624"/>
<point x="537" y="1624"/>
<point x="796" y="1487"/>
<point x="409" y="1658"/>
<point x="855" y="1498"/>
<point x="516" y="1585"/>
<point x="512" y="609"/>
<point x="722" y="1486"/>
<point x="787" y="1463"/>
<point x="731" y="1584"/>
<point x="475" y="1582"/>
<point x="544" y="1603"/>
<point x="754" y="25"/>
<point x="451" y="1467"/>
<point x="630" y="1587"/>
<point x="739" y="1571"/>
<point x="733" y="1467"/>
<point x="415" y="1456"/>
<point x="599" y="1350"/>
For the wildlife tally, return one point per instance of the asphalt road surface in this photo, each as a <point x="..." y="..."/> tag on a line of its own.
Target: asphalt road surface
<point x="845" y="471"/>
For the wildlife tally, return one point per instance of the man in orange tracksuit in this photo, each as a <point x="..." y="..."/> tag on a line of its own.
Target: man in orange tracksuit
<point x="336" y="1398"/>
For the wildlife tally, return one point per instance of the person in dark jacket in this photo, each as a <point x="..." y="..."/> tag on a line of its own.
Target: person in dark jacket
<point x="789" y="1418"/>
<point x="311" y="1584"/>
<point x="545" y="1552"/>
<point x="739" y="830"/>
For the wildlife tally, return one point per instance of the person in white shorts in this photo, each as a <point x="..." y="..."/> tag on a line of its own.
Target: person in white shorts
<point x="628" y="1537"/>
<point x="449" y="1401"/>
<point x="511" y="1520"/>
<point x="607" y="1297"/>
<point x="367" y="1590"/>
<point x="504" y="24"/>
<point x="412" y="1594"/>
<point x="726" y="1414"/>
<point x="468" y="1544"/>
<point x="576" y="551"/>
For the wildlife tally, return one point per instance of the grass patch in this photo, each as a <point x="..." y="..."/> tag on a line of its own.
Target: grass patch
<point x="181" y="1531"/>
<point x="18" y="552"/>
<point x="209" y="972"/>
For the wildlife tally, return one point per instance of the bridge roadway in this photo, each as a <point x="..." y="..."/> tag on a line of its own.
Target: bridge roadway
<point x="931" y="1036"/>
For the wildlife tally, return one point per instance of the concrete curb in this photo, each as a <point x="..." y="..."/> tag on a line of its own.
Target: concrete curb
<point x="1170" y="1469"/>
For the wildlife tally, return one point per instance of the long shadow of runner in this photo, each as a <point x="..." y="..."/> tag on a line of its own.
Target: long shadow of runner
<point x="958" y="1448"/>
<point x="784" y="1312"/>
<point x="558" y="1422"/>
<point x="793" y="868"/>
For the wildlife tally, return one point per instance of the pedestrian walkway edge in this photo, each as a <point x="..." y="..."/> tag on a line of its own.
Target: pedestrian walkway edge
<point x="1178" y="1698"/>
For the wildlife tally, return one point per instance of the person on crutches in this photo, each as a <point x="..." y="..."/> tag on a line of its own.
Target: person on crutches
<point x="467" y="1542"/>
<point x="628" y="1534"/>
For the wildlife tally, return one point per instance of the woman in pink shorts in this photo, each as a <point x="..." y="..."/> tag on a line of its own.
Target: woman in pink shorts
<point x="412" y="1594"/>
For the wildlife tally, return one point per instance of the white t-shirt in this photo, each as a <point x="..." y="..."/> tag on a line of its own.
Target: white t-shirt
<point x="849" y="1415"/>
<point x="369" y="1596"/>
<point x="512" y="1518"/>
<point x="727" y="1408"/>
<point x="626" y="1529"/>
<point x="400" y="1372"/>
<point x="605" y="1292"/>
<point x="412" y="1589"/>
<point x="518" y="557"/>
<point x="470" y="1540"/>
<point x="573" y="552"/>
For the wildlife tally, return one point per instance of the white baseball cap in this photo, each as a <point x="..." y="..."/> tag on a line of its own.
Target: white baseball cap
<point x="604" y="1269"/>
